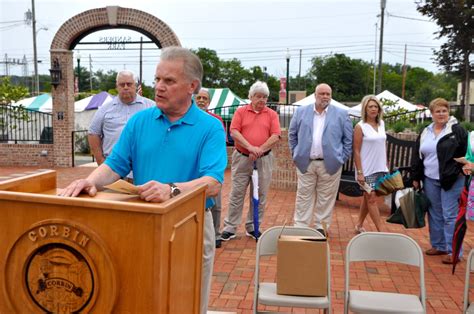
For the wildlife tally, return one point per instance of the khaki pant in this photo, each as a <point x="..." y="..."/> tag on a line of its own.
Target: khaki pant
<point x="242" y="168"/>
<point x="216" y="214"/>
<point x="316" y="195"/>
<point x="209" y="249"/>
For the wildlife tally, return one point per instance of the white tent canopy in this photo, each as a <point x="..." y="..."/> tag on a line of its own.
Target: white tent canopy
<point x="311" y="100"/>
<point x="399" y="104"/>
<point x="307" y="101"/>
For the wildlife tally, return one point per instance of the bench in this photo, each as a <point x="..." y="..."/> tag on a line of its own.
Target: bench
<point x="399" y="153"/>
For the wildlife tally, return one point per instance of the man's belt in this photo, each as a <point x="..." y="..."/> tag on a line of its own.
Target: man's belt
<point x="247" y="155"/>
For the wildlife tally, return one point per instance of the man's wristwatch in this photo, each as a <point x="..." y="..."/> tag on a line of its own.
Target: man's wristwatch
<point x="174" y="190"/>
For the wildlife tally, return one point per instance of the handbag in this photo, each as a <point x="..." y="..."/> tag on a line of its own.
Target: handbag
<point x="412" y="210"/>
<point x="470" y="200"/>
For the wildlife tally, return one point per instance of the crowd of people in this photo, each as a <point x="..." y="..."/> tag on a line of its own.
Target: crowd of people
<point x="177" y="144"/>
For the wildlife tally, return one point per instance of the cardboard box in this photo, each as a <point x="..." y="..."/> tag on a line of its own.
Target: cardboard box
<point x="302" y="266"/>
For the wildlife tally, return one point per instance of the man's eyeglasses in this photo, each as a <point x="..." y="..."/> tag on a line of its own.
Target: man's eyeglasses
<point x="201" y="98"/>
<point x="128" y="84"/>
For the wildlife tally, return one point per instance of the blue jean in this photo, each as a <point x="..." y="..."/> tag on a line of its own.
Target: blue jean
<point x="442" y="212"/>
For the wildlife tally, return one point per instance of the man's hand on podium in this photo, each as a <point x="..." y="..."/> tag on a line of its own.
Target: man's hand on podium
<point x="78" y="186"/>
<point x="154" y="191"/>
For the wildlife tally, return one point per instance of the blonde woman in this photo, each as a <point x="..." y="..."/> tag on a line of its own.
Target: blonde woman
<point x="370" y="158"/>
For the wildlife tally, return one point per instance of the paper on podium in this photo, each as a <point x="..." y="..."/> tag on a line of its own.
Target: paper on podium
<point x="123" y="186"/>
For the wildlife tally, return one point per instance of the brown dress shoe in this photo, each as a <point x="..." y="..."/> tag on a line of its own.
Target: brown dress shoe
<point x="434" y="251"/>
<point x="448" y="259"/>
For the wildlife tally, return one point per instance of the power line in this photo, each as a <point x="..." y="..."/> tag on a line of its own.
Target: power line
<point x="7" y="22"/>
<point x="409" y="18"/>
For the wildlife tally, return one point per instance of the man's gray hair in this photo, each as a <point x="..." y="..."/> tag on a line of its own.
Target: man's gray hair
<point x="126" y="73"/>
<point x="205" y="90"/>
<point x="259" y="87"/>
<point x="192" y="65"/>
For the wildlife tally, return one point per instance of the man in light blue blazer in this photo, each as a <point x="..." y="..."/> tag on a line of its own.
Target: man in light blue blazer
<point x="320" y="139"/>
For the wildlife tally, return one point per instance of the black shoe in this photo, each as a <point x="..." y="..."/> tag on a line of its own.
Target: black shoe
<point x="322" y="232"/>
<point x="218" y="243"/>
<point x="226" y="236"/>
<point x="253" y="235"/>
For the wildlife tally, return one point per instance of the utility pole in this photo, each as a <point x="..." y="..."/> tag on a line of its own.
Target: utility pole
<point x="287" y="56"/>
<point x="35" y="54"/>
<point x="299" y="72"/>
<point x="78" y="57"/>
<point x="141" y="62"/>
<point x="404" y="74"/>
<point x="382" y="14"/>
<point x="375" y="58"/>
<point x="90" y="72"/>
<point x="7" y="72"/>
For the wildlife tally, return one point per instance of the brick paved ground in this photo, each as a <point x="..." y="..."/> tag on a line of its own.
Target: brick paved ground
<point x="232" y="287"/>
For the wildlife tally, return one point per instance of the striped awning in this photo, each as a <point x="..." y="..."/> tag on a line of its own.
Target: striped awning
<point x="224" y="102"/>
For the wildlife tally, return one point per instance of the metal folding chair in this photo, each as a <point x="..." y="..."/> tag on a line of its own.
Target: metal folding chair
<point x="389" y="247"/>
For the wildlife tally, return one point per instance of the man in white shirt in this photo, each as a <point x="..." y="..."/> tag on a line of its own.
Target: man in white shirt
<point x="320" y="139"/>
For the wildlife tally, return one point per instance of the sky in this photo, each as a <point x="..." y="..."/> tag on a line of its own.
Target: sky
<point x="257" y="32"/>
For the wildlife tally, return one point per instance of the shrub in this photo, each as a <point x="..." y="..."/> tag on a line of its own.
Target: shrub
<point x="400" y="126"/>
<point x="468" y="126"/>
<point x="421" y="126"/>
<point x="81" y="144"/>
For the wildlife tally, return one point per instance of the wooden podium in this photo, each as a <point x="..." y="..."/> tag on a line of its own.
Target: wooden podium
<point x="112" y="253"/>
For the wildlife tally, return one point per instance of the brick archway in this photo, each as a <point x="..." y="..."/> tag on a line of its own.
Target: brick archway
<point x="66" y="38"/>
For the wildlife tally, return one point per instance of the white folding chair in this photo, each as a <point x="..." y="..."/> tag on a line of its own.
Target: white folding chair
<point x="468" y="306"/>
<point x="266" y="292"/>
<point x="389" y="247"/>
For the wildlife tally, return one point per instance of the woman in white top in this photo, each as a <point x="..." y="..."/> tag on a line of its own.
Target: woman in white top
<point x="370" y="158"/>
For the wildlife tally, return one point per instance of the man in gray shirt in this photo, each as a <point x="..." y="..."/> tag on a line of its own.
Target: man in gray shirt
<point x="111" y="117"/>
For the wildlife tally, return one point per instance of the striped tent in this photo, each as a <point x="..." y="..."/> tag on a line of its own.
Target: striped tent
<point x="35" y="103"/>
<point x="44" y="102"/>
<point x="224" y="102"/>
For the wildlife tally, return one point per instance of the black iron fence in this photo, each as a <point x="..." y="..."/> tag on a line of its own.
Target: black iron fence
<point x="18" y="124"/>
<point x="285" y="113"/>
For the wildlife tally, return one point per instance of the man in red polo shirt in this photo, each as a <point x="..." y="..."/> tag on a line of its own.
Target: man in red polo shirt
<point x="203" y="100"/>
<point x="255" y="130"/>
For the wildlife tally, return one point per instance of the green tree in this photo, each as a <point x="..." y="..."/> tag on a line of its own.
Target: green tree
<point x="211" y="65"/>
<point x="456" y="22"/>
<point x="235" y="77"/>
<point x="11" y="93"/>
<point x="231" y="74"/>
<point x="84" y="79"/>
<point x="148" y="92"/>
<point x="106" y="81"/>
<point x="347" y="77"/>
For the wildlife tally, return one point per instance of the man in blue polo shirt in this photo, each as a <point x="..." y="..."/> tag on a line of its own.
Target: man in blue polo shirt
<point x="171" y="148"/>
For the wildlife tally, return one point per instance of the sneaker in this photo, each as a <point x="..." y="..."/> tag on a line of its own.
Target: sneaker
<point x="226" y="236"/>
<point x="253" y="235"/>
<point x="322" y="232"/>
<point x="218" y="243"/>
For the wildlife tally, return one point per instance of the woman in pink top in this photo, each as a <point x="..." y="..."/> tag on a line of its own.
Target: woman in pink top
<point x="370" y="158"/>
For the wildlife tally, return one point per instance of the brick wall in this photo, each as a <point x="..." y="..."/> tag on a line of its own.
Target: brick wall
<point x="284" y="171"/>
<point x="17" y="155"/>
